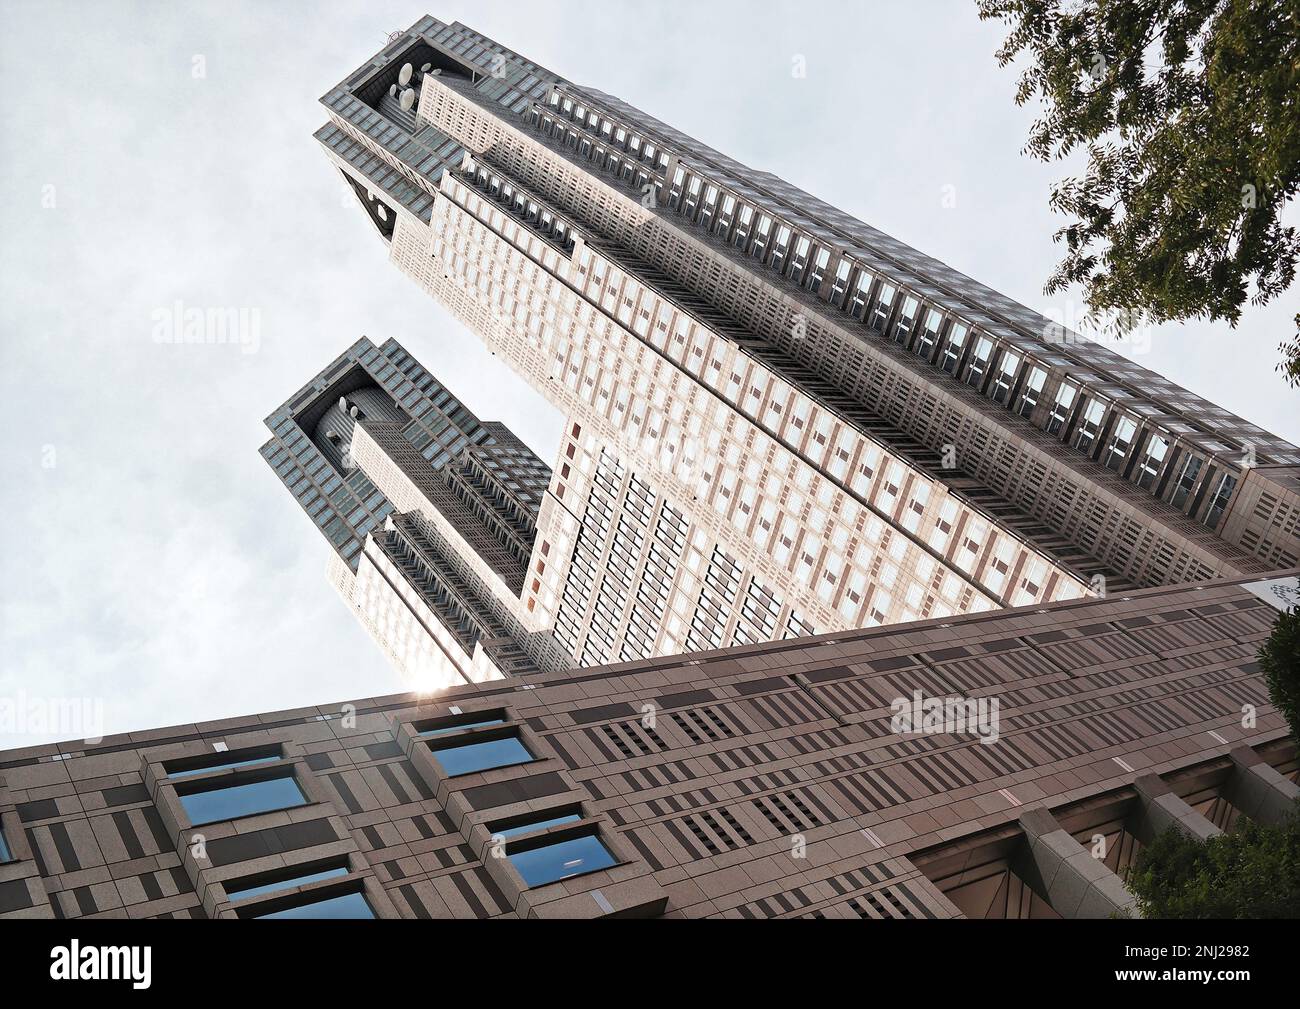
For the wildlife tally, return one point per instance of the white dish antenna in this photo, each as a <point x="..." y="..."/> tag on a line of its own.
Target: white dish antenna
<point x="404" y="75"/>
<point x="408" y="98"/>
<point x="425" y="69"/>
<point x="383" y="214"/>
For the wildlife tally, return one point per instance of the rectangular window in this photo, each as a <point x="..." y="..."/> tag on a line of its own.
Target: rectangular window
<point x="346" y="905"/>
<point x="1152" y="459"/>
<point x="858" y="303"/>
<point x="820" y="262"/>
<point x="1061" y="408"/>
<point x="906" y="317"/>
<point x="551" y="861"/>
<point x="1089" y="425"/>
<point x="263" y="883"/>
<point x="6" y="854"/>
<point x="884" y="305"/>
<point x="953" y="348"/>
<point x="929" y="333"/>
<point x="1008" y="368"/>
<point x="979" y="362"/>
<point x="478" y="724"/>
<point x="221" y="801"/>
<point x="1186" y="481"/>
<point x="187" y="767"/>
<point x="1033" y="387"/>
<point x="477" y="754"/>
<point x="1219" y="502"/>
<point x="532" y="826"/>
<point x="1121" y="440"/>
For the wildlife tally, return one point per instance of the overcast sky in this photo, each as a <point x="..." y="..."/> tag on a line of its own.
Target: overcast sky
<point x="151" y="559"/>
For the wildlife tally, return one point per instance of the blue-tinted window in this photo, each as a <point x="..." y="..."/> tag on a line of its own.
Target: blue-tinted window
<point x="242" y="800"/>
<point x="348" y="905"/>
<point x="5" y="854"/>
<point x="561" y="860"/>
<point x="244" y="892"/>
<point x="465" y="725"/>
<point x="528" y="828"/>
<point x="481" y="756"/>
<point x="220" y="767"/>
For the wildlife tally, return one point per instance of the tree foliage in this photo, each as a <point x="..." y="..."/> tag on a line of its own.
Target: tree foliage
<point x="1188" y="112"/>
<point x="1279" y="661"/>
<point x="1252" y="872"/>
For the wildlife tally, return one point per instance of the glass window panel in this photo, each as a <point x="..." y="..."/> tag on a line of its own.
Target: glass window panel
<point x="217" y="804"/>
<point x="561" y="860"/>
<point x="482" y="756"/>
<point x="528" y="828"/>
<point x="348" y="905"/>
<point x="463" y="725"/>
<point x="222" y="766"/>
<point x="243" y="893"/>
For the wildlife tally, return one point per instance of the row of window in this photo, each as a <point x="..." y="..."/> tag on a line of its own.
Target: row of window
<point x="1005" y="373"/>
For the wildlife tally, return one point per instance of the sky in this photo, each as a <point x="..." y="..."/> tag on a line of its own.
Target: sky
<point x="156" y="155"/>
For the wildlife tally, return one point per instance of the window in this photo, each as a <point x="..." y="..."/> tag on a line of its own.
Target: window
<point x="858" y="303"/>
<point x="547" y="858"/>
<point x="458" y="755"/>
<point x="979" y="362"/>
<point x="187" y="767"/>
<point x="884" y="305"/>
<point x="299" y="875"/>
<point x="456" y="728"/>
<point x="1089" y="425"/>
<point x="929" y="333"/>
<point x="1033" y="387"/>
<point x="211" y="802"/>
<point x="1186" y="481"/>
<point x="841" y="283"/>
<point x="1061" y="408"/>
<point x="561" y="860"/>
<point x="6" y="853"/>
<point x="1118" y="445"/>
<point x="346" y="905"/>
<point x="820" y="262"/>
<point x="1152" y="459"/>
<point x="1008" y="368"/>
<point x="533" y="826"/>
<point x="1219" y="501"/>
<point x="906" y="316"/>
<point x="953" y="348"/>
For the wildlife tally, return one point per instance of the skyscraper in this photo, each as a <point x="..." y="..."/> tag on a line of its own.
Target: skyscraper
<point x="431" y="513"/>
<point x="779" y="419"/>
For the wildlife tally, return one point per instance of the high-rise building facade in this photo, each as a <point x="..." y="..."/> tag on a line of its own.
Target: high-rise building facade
<point x="431" y="513"/>
<point x="765" y="781"/>
<point x="779" y="420"/>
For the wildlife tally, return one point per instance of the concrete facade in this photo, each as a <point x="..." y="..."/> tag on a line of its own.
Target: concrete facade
<point x="771" y="780"/>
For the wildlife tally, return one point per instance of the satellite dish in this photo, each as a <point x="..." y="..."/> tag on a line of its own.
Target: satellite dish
<point x="435" y="73"/>
<point x="425" y="69"/>
<point x="392" y="90"/>
<point x="404" y="75"/>
<point x="383" y="214"/>
<point x="353" y="411"/>
<point x="408" y="98"/>
<point x="343" y="402"/>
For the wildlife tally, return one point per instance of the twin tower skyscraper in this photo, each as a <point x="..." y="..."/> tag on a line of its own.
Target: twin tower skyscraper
<point x="779" y="421"/>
